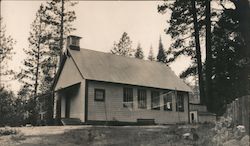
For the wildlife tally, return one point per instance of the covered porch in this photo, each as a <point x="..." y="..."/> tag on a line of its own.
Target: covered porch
<point x="69" y="102"/>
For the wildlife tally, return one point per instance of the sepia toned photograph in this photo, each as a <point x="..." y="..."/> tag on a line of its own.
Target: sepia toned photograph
<point x="124" y="73"/>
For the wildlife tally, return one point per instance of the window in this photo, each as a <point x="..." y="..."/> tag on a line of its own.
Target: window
<point x="128" y="97"/>
<point x="180" y="102"/>
<point x="155" y="100"/>
<point x="99" y="95"/>
<point x="167" y="99"/>
<point x="75" y="41"/>
<point x="142" y="98"/>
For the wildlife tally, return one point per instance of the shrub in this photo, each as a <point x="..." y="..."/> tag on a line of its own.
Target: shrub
<point x="8" y="131"/>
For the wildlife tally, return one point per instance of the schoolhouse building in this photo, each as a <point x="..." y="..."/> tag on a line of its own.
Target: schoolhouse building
<point x="97" y="87"/>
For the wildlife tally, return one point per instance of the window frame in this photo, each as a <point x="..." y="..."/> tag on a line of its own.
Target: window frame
<point x="142" y="100"/>
<point x="99" y="90"/>
<point x="166" y="98"/>
<point x="127" y="91"/>
<point x="180" y="101"/>
<point x="74" y="42"/>
<point x="159" y="101"/>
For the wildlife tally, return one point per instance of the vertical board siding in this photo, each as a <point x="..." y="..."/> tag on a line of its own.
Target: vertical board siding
<point x="239" y="110"/>
<point x="112" y="109"/>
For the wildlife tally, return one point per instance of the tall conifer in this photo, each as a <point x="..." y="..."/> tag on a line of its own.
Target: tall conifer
<point x="151" y="54"/>
<point x="123" y="47"/>
<point x="161" y="57"/>
<point x="139" y="52"/>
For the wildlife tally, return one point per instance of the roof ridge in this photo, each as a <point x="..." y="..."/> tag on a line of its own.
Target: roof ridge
<point x="108" y="53"/>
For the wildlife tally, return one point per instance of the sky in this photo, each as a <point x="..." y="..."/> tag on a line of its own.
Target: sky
<point x="99" y="23"/>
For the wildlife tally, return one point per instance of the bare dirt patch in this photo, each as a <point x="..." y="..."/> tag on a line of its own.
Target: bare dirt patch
<point x="108" y="135"/>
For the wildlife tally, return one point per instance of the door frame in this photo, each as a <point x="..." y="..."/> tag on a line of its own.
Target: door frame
<point x="67" y="107"/>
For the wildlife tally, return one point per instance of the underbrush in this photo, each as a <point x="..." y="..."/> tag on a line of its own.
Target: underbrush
<point x="226" y="133"/>
<point x="8" y="131"/>
<point x="145" y="136"/>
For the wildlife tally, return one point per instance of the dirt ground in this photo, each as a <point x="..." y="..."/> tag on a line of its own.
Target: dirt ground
<point x="170" y="135"/>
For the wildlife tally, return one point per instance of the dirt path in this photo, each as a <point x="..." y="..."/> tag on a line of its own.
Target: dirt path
<point x="30" y="136"/>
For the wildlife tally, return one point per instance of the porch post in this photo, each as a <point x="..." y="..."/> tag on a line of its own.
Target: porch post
<point x="57" y="106"/>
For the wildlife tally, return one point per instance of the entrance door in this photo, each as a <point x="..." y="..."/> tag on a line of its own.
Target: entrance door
<point x="67" y="107"/>
<point x="192" y="117"/>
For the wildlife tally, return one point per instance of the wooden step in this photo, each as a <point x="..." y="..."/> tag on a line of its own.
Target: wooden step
<point x="71" y="121"/>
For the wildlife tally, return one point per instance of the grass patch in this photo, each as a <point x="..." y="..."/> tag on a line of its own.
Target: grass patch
<point x="18" y="137"/>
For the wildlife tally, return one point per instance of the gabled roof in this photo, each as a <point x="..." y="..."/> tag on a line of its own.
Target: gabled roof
<point x="99" y="66"/>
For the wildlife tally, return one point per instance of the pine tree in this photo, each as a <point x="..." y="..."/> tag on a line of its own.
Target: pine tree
<point x="181" y="29"/>
<point x="209" y="67"/>
<point x="6" y="110"/>
<point x="123" y="47"/>
<point x="226" y="52"/>
<point x="6" y="52"/>
<point x="228" y="47"/>
<point x="198" y="53"/>
<point x="151" y="54"/>
<point x="243" y="13"/>
<point x="161" y="57"/>
<point x="11" y="108"/>
<point x="187" y="28"/>
<point x="31" y="75"/>
<point x="139" y="53"/>
<point x="59" y="24"/>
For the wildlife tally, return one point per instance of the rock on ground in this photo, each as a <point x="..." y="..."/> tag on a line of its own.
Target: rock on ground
<point x="232" y="142"/>
<point x="245" y="141"/>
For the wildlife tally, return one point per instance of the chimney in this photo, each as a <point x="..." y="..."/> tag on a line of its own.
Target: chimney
<point x="73" y="42"/>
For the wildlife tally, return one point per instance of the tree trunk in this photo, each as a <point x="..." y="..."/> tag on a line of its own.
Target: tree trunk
<point x="244" y="15"/>
<point x="61" y="32"/>
<point x="243" y="11"/>
<point x="208" y="56"/>
<point x="38" y="62"/>
<point x="198" y="53"/>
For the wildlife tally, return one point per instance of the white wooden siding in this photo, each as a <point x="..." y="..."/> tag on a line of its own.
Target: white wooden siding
<point x="195" y="116"/>
<point x="63" y="106"/>
<point x="77" y="103"/>
<point x="198" y="107"/>
<point x="69" y="75"/>
<point x="113" y="106"/>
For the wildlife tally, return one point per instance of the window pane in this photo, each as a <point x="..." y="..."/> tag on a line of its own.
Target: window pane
<point x="75" y="42"/>
<point x="99" y="95"/>
<point x="142" y="99"/>
<point x="167" y="98"/>
<point x="155" y="100"/>
<point x="180" y="102"/>
<point x="127" y="97"/>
